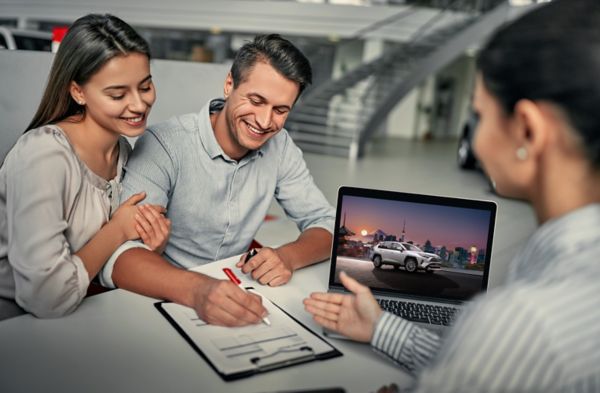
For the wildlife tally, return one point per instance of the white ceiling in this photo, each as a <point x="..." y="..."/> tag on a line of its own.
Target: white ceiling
<point x="240" y="16"/>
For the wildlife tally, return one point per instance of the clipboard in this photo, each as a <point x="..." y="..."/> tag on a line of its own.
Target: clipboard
<point x="249" y="356"/>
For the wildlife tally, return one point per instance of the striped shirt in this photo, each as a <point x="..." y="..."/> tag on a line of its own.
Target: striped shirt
<point x="538" y="333"/>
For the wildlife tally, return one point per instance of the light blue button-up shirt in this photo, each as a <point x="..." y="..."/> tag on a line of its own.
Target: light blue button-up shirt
<point x="217" y="204"/>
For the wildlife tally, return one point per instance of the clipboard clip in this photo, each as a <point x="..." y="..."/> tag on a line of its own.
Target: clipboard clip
<point x="309" y="354"/>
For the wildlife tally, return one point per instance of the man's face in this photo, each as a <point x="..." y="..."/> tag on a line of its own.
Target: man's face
<point x="255" y="110"/>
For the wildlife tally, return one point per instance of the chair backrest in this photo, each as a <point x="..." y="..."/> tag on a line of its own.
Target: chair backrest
<point x="182" y="87"/>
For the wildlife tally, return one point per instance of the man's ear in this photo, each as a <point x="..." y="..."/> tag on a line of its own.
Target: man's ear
<point x="228" y="87"/>
<point x="532" y="126"/>
<point x="77" y="93"/>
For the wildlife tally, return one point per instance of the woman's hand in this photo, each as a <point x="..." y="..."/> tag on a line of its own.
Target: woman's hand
<point x="153" y="227"/>
<point x="143" y="221"/>
<point x="353" y="315"/>
<point x="124" y="217"/>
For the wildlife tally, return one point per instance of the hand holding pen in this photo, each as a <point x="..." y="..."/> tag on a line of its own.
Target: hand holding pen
<point x="220" y="302"/>
<point x="233" y="278"/>
<point x="266" y="266"/>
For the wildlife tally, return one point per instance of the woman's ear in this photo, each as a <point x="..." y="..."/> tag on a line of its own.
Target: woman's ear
<point x="530" y="129"/>
<point x="77" y="93"/>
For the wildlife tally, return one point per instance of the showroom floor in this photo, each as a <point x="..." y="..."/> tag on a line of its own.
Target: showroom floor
<point x="415" y="167"/>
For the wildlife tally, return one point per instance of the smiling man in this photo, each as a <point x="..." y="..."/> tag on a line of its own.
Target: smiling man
<point x="217" y="172"/>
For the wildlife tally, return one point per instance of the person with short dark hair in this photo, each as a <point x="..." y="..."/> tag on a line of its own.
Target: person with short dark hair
<point x="61" y="181"/>
<point x="537" y="96"/>
<point x="280" y="53"/>
<point x="217" y="172"/>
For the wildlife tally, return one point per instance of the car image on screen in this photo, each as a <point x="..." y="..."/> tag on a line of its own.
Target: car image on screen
<point x="406" y="255"/>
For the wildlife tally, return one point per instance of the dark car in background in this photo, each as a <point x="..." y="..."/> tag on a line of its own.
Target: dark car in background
<point x="465" y="156"/>
<point x="11" y="38"/>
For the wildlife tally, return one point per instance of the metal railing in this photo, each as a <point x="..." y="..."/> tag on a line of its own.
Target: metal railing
<point x="344" y="113"/>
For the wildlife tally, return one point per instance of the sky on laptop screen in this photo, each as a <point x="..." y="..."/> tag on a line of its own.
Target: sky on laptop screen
<point x="413" y="248"/>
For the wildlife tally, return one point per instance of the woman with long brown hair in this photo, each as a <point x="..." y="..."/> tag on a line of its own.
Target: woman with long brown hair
<point x="60" y="183"/>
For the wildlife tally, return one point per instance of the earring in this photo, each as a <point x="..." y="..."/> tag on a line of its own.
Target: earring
<point x="521" y="153"/>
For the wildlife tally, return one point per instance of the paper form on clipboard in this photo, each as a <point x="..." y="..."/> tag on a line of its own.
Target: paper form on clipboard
<point x="239" y="352"/>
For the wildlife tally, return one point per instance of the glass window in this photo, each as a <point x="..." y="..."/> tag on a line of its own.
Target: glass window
<point x="33" y="43"/>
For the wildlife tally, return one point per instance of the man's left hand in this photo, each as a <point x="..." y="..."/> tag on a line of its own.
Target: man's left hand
<point x="267" y="267"/>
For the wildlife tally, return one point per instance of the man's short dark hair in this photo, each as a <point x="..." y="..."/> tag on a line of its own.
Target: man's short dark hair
<point x="276" y="51"/>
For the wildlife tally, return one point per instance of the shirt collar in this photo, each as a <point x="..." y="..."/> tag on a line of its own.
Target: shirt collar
<point x="209" y="140"/>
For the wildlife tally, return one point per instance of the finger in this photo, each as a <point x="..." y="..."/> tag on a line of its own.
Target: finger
<point x="227" y="312"/>
<point x="147" y="239"/>
<point x="156" y="219"/>
<point x="276" y="276"/>
<point x="336" y="298"/>
<point x="160" y="229"/>
<point x="325" y="306"/>
<point x="143" y="221"/>
<point x="267" y="266"/>
<point x="143" y="235"/>
<point x="246" y="305"/>
<point x="240" y="263"/>
<point x="261" y="255"/>
<point x="269" y="276"/>
<point x="253" y="263"/>
<point x="135" y="198"/>
<point x="319" y="312"/>
<point x="271" y="262"/>
<point x="279" y="280"/>
<point x="351" y="284"/>
<point x="217" y="315"/>
<point x="321" y="308"/>
<point x="326" y="323"/>
<point x="158" y="208"/>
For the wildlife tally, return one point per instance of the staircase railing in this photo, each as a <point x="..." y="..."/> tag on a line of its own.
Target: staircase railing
<point x="341" y="115"/>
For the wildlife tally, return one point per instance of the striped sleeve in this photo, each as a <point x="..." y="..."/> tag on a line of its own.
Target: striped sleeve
<point x="500" y="344"/>
<point x="408" y="345"/>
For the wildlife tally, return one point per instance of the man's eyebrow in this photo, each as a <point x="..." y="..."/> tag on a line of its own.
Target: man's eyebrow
<point x="263" y="99"/>
<point x="258" y="96"/>
<point x="117" y="87"/>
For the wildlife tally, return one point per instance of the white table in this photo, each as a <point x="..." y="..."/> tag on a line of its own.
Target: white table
<point x="119" y="342"/>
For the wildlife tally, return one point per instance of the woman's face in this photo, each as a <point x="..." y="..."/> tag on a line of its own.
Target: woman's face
<point x="119" y="96"/>
<point x="494" y="145"/>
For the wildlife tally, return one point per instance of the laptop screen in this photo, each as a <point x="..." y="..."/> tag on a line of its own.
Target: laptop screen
<point x="421" y="246"/>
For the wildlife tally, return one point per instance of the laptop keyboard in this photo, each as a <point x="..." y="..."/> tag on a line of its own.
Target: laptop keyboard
<point x="419" y="312"/>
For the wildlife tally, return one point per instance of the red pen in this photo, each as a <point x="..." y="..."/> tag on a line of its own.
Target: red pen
<point x="233" y="278"/>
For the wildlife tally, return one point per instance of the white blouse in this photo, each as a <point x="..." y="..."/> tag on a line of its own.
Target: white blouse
<point x="51" y="205"/>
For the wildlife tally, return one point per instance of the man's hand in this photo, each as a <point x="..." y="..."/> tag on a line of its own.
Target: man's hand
<point x="221" y="302"/>
<point x="354" y="315"/>
<point x="267" y="267"/>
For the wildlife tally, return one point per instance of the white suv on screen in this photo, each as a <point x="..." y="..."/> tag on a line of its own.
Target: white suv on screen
<point x="402" y="254"/>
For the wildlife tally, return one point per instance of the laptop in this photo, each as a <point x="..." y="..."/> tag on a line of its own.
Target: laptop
<point x="422" y="256"/>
